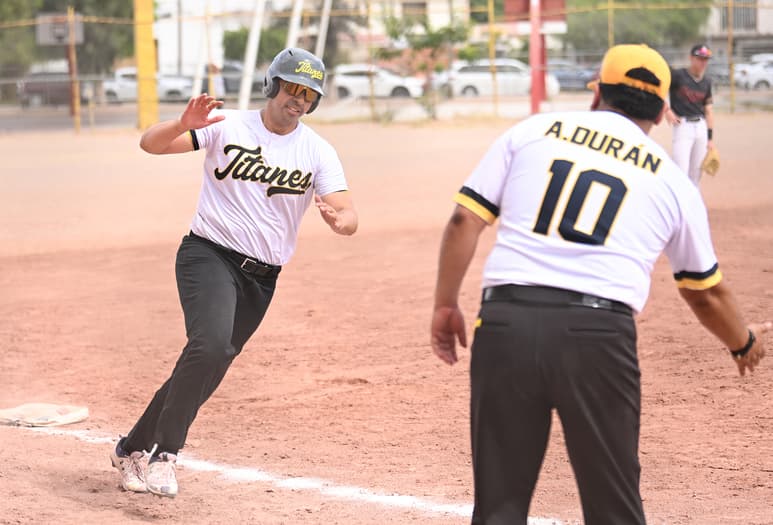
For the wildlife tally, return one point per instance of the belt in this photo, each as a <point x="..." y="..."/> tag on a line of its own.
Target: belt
<point x="248" y="265"/>
<point x="553" y="296"/>
<point x="693" y="118"/>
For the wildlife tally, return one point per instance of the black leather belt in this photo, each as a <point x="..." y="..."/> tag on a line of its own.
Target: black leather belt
<point x="552" y="296"/>
<point x="693" y="118"/>
<point x="249" y="265"/>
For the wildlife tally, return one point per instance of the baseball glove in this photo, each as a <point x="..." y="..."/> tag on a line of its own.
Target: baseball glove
<point x="710" y="162"/>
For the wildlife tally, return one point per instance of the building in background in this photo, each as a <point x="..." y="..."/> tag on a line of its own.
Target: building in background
<point x="189" y="33"/>
<point x="752" y="28"/>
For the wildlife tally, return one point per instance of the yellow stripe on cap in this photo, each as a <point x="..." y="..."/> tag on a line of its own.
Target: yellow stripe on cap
<point x="621" y="60"/>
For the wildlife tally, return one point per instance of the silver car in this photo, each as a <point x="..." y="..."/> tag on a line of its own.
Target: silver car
<point x="472" y="79"/>
<point x="354" y="80"/>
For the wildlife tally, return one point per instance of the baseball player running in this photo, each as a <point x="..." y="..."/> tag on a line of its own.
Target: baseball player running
<point x="691" y="113"/>
<point x="262" y="170"/>
<point x="586" y="202"/>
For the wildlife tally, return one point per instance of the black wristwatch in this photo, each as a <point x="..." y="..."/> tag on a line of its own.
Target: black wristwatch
<point x="738" y="354"/>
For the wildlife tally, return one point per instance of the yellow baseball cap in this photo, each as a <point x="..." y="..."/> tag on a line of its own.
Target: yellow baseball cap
<point x="635" y="65"/>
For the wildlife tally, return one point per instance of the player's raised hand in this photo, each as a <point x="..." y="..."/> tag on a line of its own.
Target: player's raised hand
<point x="752" y="358"/>
<point x="196" y="113"/>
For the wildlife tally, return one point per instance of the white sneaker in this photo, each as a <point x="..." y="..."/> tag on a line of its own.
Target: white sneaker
<point x="161" y="477"/>
<point x="132" y="471"/>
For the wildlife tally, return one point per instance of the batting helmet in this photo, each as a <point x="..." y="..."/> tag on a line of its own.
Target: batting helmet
<point x="299" y="67"/>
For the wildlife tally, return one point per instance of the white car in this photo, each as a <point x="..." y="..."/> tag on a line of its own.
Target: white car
<point x="123" y="86"/>
<point x="354" y="80"/>
<point x="755" y="76"/>
<point x="473" y="79"/>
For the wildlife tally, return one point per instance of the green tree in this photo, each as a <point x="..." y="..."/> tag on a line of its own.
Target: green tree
<point x="104" y="41"/>
<point x="17" y="44"/>
<point x="272" y="41"/>
<point x="427" y="46"/>
<point x="339" y="24"/>
<point x="654" y="24"/>
<point x="479" y="10"/>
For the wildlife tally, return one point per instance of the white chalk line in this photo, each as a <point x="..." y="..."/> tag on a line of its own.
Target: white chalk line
<point x="321" y="486"/>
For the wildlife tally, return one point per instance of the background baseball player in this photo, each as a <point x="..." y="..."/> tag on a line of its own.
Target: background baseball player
<point x="691" y="113"/>
<point x="262" y="170"/>
<point x="586" y="203"/>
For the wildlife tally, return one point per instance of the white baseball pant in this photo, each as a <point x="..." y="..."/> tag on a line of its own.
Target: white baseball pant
<point x="689" y="145"/>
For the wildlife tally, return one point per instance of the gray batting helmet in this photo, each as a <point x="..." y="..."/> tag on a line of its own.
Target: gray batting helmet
<point x="299" y="67"/>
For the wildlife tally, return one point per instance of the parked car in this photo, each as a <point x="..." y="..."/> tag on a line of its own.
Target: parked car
<point x="740" y="69"/>
<point x="756" y="76"/>
<point x="44" y="88"/>
<point x="570" y="75"/>
<point x="353" y="80"/>
<point x="472" y="79"/>
<point x="232" y="80"/>
<point x="123" y="86"/>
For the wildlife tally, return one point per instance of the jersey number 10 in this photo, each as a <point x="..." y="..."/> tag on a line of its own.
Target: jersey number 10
<point x="567" y="228"/>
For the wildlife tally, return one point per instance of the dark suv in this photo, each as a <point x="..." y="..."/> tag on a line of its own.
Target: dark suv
<point x="38" y="89"/>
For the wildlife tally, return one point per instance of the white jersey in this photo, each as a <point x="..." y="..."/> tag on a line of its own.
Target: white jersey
<point x="587" y="202"/>
<point x="257" y="184"/>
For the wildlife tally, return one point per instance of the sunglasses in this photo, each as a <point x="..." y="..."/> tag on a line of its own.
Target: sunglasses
<point x="296" y="90"/>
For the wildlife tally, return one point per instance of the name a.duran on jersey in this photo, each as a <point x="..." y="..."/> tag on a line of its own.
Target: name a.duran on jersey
<point x="248" y="164"/>
<point x="606" y="144"/>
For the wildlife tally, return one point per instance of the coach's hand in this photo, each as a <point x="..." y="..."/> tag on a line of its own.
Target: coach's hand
<point x="447" y="326"/>
<point x="757" y="351"/>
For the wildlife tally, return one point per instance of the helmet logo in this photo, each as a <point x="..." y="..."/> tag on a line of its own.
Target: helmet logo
<point x="304" y="66"/>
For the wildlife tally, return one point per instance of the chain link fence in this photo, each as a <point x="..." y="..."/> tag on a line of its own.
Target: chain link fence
<point x="39" y="77"/>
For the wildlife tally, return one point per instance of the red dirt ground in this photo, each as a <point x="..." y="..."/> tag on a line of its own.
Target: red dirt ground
<point x="339" y="383"/>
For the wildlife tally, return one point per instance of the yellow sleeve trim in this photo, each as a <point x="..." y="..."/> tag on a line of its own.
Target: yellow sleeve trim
<point x="478" y="322"/>
<point x="474" y="207"/>
<point x="700" y="284"/>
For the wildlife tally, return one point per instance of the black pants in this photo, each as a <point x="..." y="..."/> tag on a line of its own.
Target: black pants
<point x="223" y="306"/>
<point x="530" y="357"/>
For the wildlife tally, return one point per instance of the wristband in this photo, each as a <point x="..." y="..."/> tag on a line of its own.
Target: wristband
<point x="710" y="133"/>
<point x="738" y="354"/>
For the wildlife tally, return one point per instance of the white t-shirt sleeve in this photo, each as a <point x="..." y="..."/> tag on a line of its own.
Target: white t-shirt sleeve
<point x="482" y="191"/>
<point x="330" y="177"/>
<point x="690" y="250"/>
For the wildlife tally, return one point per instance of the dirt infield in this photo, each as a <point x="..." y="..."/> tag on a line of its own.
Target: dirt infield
<point x="337" y="412"/>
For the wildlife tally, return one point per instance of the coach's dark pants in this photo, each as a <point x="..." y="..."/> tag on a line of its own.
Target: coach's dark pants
<point x="529" y="358"/>
<point x="223" y="307"/>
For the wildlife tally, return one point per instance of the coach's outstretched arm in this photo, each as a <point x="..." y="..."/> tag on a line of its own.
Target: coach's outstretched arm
<point x="717" y="310"/>
<point x="170" y="136"/>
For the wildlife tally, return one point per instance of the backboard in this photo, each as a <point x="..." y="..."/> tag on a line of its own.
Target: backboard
<point x="53" y="29"/>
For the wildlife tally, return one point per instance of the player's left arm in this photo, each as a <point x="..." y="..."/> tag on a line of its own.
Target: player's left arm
<point x="337" y="210"/>
<point x="709" y="109"/>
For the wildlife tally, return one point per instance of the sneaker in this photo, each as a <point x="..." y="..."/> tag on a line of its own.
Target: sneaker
<point x="131" y="468"/>
<point x="161" y="477"/>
